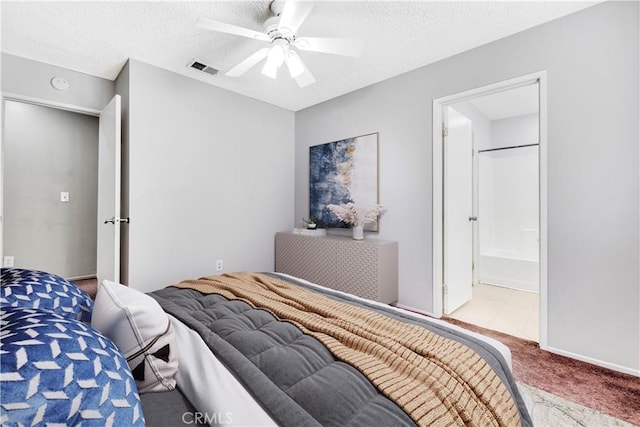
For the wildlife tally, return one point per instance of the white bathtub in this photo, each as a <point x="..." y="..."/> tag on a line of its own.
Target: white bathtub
<point x="510" y="272"/>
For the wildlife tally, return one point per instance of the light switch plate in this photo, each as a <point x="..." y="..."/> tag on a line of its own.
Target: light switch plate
<point x="64" y="196"/>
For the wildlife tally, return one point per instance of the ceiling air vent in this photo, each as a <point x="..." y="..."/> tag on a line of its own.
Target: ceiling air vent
<point x="197" y="65"/>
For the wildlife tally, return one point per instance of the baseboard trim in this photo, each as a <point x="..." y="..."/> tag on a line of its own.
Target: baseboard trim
<point x="85" y="277"/>
<point x="597" y="362"/>
<point x="416" y="310"/>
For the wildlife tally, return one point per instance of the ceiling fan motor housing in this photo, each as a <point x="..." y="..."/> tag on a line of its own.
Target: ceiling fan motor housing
<point x="275" y="32"/>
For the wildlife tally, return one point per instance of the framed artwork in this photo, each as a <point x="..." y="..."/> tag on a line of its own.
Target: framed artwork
<point x="341" y="172"/>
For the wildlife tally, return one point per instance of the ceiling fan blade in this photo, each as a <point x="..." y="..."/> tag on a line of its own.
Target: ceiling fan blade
<point x="344" y="47"/>
<point x="306" y="78"/>
<point x="245" y="65"/>
<point x="222" y="27"/>
<point x="294" y="14"/>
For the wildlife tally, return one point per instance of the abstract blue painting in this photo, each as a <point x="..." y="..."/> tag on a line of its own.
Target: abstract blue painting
<point x="341" y="172"/>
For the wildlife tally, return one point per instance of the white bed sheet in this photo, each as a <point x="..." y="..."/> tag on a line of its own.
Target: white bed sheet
<point x="220" y="397"/>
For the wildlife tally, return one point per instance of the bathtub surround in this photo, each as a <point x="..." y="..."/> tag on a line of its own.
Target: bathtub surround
<point x="510" y="272"/>
<point x="508" y="196"/>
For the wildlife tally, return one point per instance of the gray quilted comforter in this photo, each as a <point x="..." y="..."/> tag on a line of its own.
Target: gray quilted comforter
<point x="294" y="377"/>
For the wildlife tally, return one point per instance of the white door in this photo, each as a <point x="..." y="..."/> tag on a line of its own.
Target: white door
<point x="458" y="210"/>
<point x="108" y="256"/>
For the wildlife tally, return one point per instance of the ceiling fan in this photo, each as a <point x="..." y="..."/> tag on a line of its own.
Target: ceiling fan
<point x="280" y="31"/>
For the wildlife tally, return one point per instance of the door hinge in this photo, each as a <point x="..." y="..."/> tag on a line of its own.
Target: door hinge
<point x="445" y="289"/>
<point x="445" y="131"/>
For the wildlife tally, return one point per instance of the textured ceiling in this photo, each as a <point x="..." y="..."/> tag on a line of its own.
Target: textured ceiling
<point x="97" y="37"/>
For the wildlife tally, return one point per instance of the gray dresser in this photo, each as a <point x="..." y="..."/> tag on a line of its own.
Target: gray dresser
<point x="366" y="268"/>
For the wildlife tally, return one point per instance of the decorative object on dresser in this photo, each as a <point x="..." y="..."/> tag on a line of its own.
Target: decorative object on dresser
<point x="356" y="217"/>
<point x="367" y="268"/>
<point x="310" y="223"/>
<point x="342" y="172"/>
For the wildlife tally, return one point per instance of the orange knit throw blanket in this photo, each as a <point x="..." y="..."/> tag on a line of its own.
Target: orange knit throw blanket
<point x="436" y="381"/>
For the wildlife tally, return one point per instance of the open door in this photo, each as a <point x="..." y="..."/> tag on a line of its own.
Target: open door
<point x="108" y="250"/>
<point x="458" y="210"/>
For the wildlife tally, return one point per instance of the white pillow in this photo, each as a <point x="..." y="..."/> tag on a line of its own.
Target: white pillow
<point x="140" y="328"/>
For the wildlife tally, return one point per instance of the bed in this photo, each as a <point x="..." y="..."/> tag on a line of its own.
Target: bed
<point x="271" y="349"/>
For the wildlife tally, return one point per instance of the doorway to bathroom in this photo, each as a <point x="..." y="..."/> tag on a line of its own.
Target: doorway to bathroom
<point x="492" y="193"/>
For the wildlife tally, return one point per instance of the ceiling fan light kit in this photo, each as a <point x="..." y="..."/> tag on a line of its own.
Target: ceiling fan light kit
<point x="294" y="64"/>
<point x="275" y="58"/>
<point x="280" y="31"/>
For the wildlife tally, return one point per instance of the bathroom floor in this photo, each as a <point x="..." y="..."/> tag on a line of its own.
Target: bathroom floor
<point x="501" y="309"/>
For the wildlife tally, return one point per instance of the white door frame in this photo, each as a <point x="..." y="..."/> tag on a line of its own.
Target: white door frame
<point x="437" y="199"/>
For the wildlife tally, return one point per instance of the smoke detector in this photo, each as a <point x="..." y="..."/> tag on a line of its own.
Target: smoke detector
<point x="60" y="83"/>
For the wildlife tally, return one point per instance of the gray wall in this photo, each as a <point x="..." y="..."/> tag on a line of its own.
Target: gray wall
<point x="207" y="183"/>
<point x="47" y="151"/>
<point x="210" y="177"/>
<point x="591" y="59"/>
<point x="31" y="80"/>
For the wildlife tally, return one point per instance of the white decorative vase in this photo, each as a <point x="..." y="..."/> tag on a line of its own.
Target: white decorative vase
<point x="358" y="234"/>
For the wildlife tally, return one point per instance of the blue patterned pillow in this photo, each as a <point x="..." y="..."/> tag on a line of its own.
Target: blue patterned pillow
<point x="59" y="370"/>
<point x="44" y="291"/>
<point x="10" y="275"/>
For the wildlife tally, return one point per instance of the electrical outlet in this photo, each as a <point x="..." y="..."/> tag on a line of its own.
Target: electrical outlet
<point x="64" y="196"/>
<point x="8" y="261"/>
<point x="219" y="265"/>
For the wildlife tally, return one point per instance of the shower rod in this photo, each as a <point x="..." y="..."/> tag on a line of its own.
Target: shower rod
<point x="507" y="148"/>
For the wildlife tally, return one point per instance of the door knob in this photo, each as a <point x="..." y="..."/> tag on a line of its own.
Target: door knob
<point x="113" y="220"/>
<point x="473" y="218"/>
